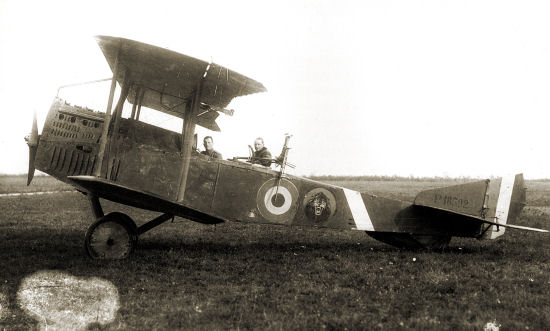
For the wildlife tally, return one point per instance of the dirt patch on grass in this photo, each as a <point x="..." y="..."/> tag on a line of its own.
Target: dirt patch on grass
<point x="60" y="301"/>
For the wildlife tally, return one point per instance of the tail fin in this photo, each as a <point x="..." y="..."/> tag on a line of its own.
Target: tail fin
<point x="493" y="201"/>
<point x="465" y="199"/>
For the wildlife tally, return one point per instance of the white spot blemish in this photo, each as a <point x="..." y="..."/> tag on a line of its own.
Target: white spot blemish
<point x="3" y="306"/>
<point x="491" y="326"/>
<point x="61" y="301"/>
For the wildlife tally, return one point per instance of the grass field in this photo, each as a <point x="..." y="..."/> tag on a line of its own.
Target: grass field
<point x="237" y="276"/>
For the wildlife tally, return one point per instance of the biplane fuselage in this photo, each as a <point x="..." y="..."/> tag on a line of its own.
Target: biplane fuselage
<point x="144" y="166"/>
<point x="147" y="163"/>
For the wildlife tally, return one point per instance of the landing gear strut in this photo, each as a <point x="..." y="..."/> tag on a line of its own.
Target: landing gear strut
<point x="115" y="235"/>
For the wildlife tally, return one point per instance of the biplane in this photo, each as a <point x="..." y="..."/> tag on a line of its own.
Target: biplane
<point x="130" y="162"/>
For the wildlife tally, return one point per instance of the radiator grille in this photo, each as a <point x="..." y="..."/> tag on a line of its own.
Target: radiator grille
<point x="71" y="162"/>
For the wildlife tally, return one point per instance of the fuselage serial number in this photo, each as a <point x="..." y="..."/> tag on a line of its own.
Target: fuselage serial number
<point x="452" y="201"/>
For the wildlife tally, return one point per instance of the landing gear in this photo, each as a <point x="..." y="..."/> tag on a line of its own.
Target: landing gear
<point x="112" y="236"/>
<point x="115" y="235"/>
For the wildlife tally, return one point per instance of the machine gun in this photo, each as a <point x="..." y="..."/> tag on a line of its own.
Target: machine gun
<point x="283" y="157"/>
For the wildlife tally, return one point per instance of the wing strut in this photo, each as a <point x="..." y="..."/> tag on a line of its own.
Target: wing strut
<point x="106" y="122"/>
<point x="188" y="133"/>
<point x="113" y="147"/>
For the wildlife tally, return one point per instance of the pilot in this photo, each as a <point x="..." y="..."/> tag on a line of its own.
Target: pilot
<point x="261" y="156"/>
<point x="208" y="143"/>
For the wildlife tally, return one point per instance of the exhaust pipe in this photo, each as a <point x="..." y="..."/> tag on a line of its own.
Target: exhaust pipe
<point x="32" y="140"/>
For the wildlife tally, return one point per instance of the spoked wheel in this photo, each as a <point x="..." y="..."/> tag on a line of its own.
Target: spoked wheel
<point x="113" y="236"/>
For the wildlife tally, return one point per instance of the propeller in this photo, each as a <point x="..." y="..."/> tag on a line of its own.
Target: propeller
<point x="32" y="141"/>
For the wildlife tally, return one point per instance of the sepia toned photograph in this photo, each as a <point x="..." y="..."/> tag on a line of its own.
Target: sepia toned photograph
<point x="274" y="165"/>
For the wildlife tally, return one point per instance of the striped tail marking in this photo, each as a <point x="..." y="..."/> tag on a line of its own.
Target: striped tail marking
<point x="358" y="210"/>
<point x="503" y="205"/>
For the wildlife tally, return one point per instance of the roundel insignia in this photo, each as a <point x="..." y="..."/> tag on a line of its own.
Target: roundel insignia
<point x="277" y="203"/>
<point x="319" y="204"/>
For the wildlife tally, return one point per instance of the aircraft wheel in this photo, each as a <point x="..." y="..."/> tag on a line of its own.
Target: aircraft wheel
<point x="112" y="236"/>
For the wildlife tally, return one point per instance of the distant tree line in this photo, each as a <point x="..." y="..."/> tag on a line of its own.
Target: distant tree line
<point x="390" y="178"/>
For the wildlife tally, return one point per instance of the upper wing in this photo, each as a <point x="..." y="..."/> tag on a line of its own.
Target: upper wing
<point x="165" y="79"/>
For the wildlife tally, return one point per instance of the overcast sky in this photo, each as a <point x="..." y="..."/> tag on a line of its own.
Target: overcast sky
<point x="422" y="88"/>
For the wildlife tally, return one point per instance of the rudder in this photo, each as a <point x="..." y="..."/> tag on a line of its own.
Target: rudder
<point x="504" y="203"/>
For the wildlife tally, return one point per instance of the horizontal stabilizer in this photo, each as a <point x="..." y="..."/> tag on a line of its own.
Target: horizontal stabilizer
<point x="519" y="227"/>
